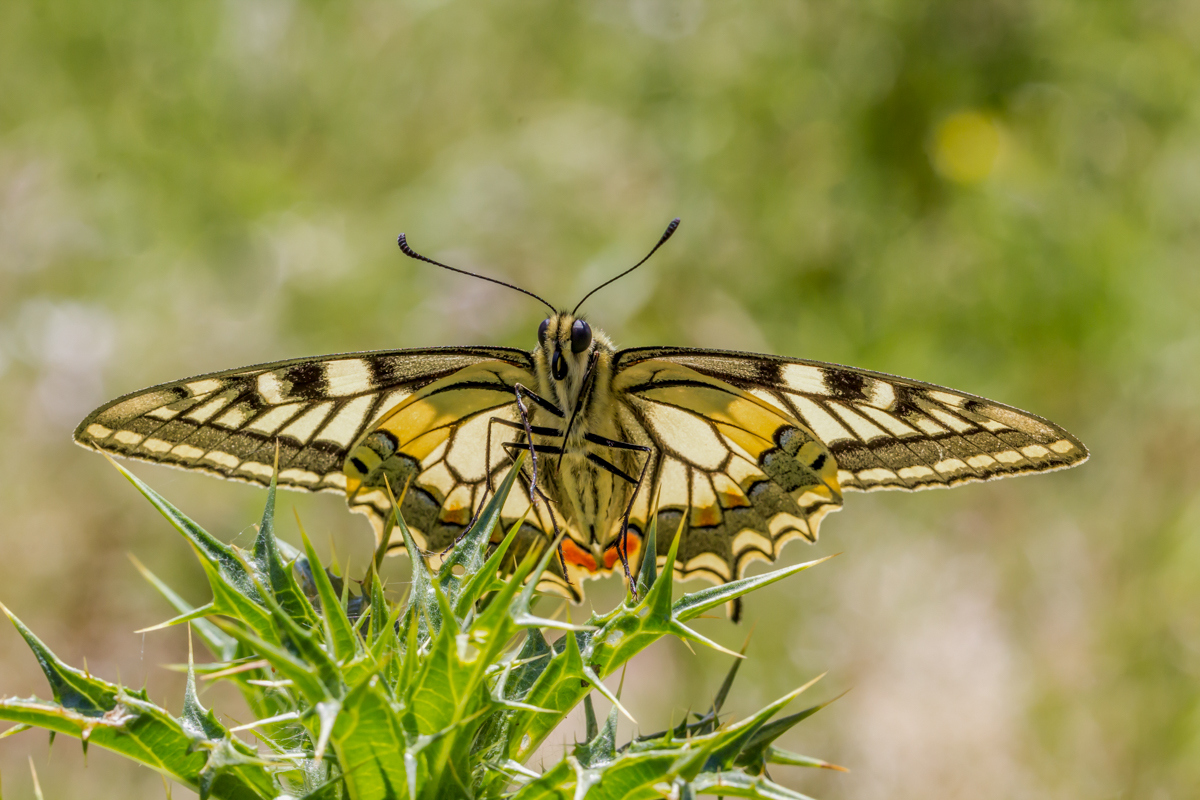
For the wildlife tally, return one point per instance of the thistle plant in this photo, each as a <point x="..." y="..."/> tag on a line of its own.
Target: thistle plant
<point x="446" y="694"/>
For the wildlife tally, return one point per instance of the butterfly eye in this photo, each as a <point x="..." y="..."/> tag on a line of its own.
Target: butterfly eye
<point x="581" y="336"/>
<point x="542" y="330"/>
<point x="558" y="366"/>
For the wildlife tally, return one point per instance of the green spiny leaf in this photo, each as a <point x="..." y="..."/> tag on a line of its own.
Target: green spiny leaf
<point x="73" y="689"/>
<point x="229" y="600"/>
<point x="303" y="675"/>
<point x="200" y="724"/>
<point x="693" y="605"/>
<point x="658" y="597"/>
<point x="272" y="570"/>
<point x="559" y="686"/>
<point x="469" y="552"/>
<point x="722" y="747"/>
<point x="648" y="575"/>
<point x="143" y="732"/>
<point x="754" y="754"/>
<point x="221" y="646"/>
<point x="738" y="784"/>
<point x="776" y="755"/>
<point x="601" y="747"/>
<point x="438" y="694"/>
<point x="343" y="642"/>
<point x="220" y="555"/>
<point x="558" y="783"/>
<point x="422" y="604"/>
<point x="479" y="584"/>
<point x="591" y="729"/>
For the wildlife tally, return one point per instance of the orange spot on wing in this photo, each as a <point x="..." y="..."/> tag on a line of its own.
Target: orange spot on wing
<point x="456" y="516"/>
<point x="612" y="555"/>
<point x="574" y="554"/>
<point x="706" y="516"/>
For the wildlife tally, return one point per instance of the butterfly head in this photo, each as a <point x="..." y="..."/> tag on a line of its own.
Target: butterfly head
<point x="566" y="344"/>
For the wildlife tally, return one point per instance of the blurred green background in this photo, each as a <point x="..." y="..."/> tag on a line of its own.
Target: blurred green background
<point x="998" y="195"/>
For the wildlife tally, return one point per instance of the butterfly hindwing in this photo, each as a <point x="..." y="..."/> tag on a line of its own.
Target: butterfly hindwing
<point x="433" y="452"/>
<point x="888" y="432"/>
<point x="747" y="477"/>
<point x="229" y="423"/>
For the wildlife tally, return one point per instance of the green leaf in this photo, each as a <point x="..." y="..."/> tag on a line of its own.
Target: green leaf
<point x="126" y="722"/>
<point x="272" y="570"/>
<point x="738" y="784"/>
<point x="754" y="755"/>
<point x="633" y="776"/>
<point x="221" y="556"/>
<point x="556" y="784"/>
<point x="601" y="747"/>
<point x="230" y="601"/>
<point x="777" y="755"/>
<point x="340" y="635"/>
<point x="559" y="686"/>
<point x="470" y="551"/>
<point x="648" y="575"/>
<point x="196" y="721"/>
<point x="303" y="675"/>
<point x="658" y="598"/>
<point x="73" y="689"/>
<point x="222" y="646"/>
<point x="439" y="696"/>
<point x="370" y="743"/>
<point x="143" y="732"/>
<point x="422" y="604"/>
<point x="693" y="605"/>
<point x="477" y="584"/>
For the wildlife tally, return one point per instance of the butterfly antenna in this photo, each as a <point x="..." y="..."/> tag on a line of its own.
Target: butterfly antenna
<point x="408" y="251"/>
<point x="666" y="235"/>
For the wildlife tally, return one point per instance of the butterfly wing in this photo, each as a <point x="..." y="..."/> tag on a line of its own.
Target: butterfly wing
<point x="324" y="415"/>
<point x="228" y="423"/>
<point x="741" y="474"/>
<point x="888" y="432"/>
<point x="434" y="452"/>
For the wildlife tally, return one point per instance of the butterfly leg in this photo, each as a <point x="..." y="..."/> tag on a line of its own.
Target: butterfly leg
<point x="518" y="391"/>
<point x="537" y="429"/>
<point x="512" y="448"/>
<point x="623" y="542"/>
<point x="530" y="430"/>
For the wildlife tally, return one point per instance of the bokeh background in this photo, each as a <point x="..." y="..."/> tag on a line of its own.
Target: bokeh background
<point x="998" y="195"/>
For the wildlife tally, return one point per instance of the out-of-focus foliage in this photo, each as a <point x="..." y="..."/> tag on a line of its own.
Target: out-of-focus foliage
<point x="997" y="195"/>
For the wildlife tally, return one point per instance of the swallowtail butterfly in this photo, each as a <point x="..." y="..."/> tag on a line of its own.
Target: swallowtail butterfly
<point x="745" y="451"/>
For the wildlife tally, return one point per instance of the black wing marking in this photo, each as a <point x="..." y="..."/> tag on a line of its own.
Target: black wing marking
<point x="888" y="432"/>
<point x="228" y="423"/>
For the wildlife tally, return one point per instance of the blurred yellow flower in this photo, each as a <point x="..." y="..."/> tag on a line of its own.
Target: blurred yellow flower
<point x="965" y="147"/>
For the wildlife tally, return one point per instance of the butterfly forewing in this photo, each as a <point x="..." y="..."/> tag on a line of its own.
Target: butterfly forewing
<point x="888" y="432"/>
<point x="229" y="423"/>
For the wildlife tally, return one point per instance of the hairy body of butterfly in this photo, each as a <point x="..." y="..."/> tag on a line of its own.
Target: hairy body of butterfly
<point x="744" y="452"/>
